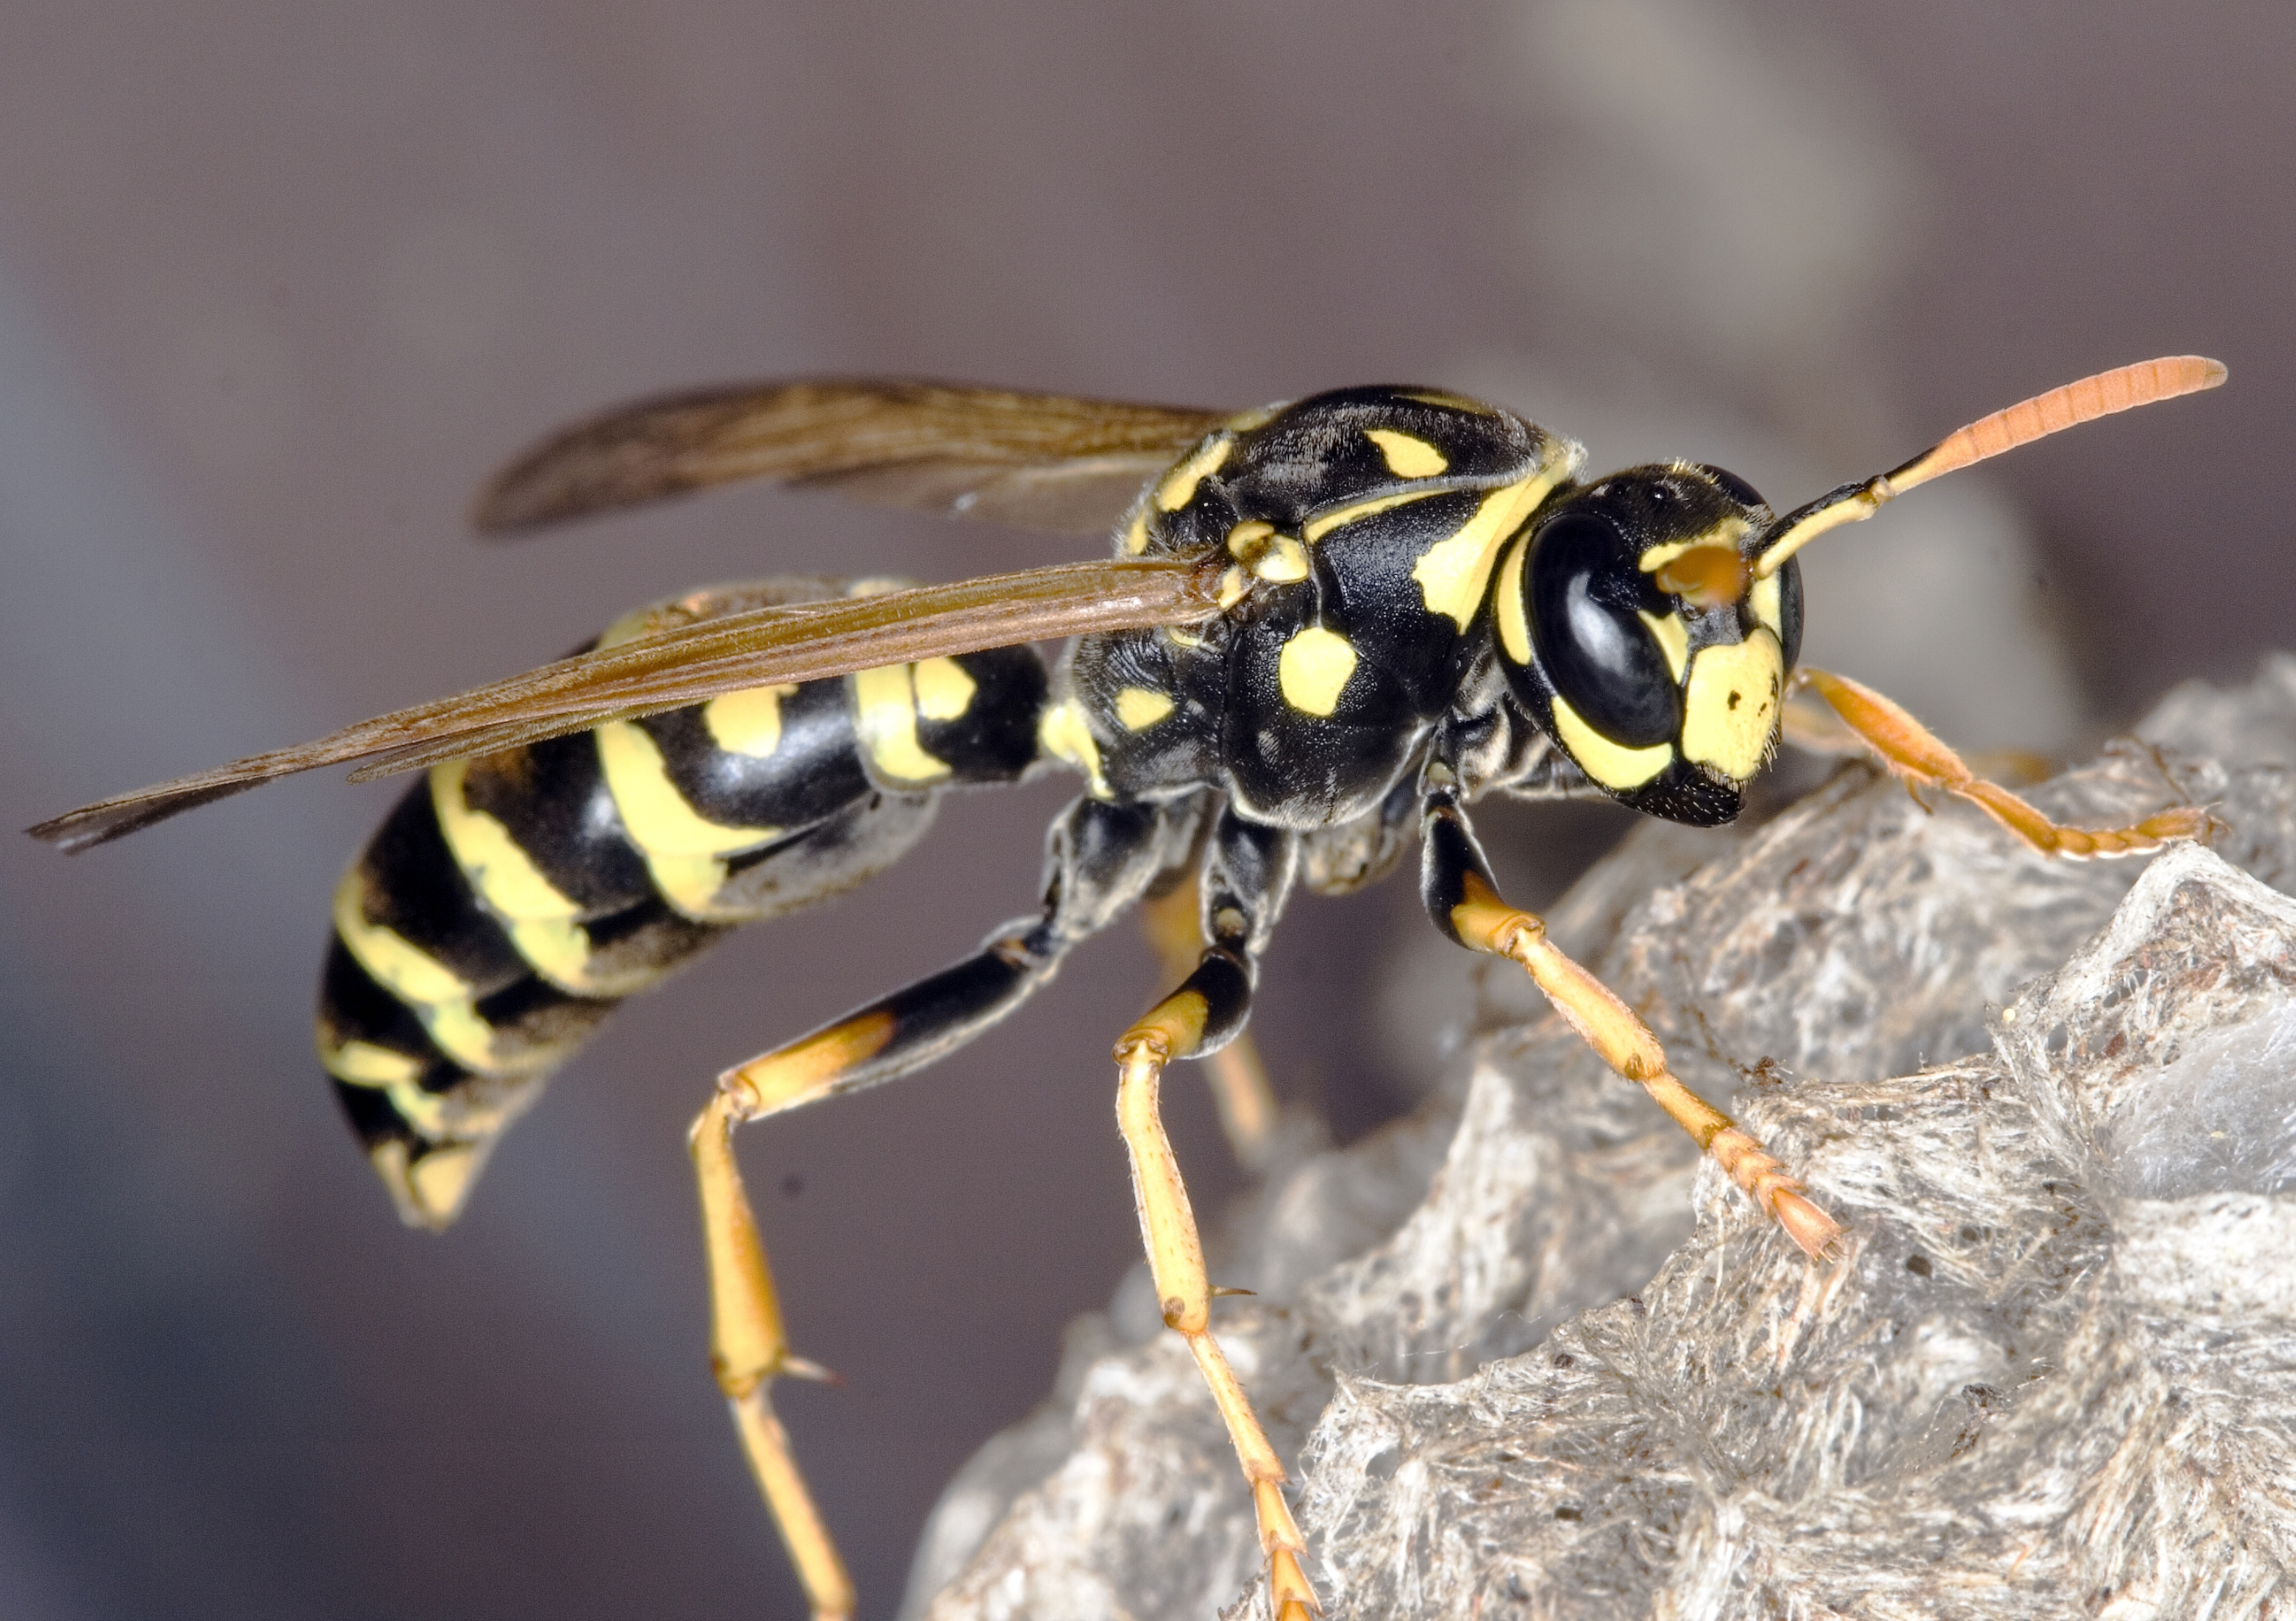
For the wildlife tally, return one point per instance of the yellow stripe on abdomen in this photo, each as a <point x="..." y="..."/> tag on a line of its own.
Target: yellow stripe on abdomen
<point x="684" y="850"/>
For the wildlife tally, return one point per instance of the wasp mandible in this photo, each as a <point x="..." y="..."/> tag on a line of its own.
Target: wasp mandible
<point x="1328" y="627"/>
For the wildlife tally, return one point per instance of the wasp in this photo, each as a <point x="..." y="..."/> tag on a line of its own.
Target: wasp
<point x="1328" y="627"/>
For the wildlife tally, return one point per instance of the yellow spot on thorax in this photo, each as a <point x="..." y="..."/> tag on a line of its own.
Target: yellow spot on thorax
<point x="1338" y="517"/>
<point x="1313" y="668"/>
<point x="1179" y="486"/>
<point x="748" y="722"/>
<point x="1408" y="457"/>
<point x="1514" y="619"/>
<point x="1064" y="734"/>
<point x="1453" y="401"/>
<point x="1280" y="560"/>
<point x="1730" y="710"/>
<point x="1614" y="765"/>
<point x="1453" y="572"/>
<point x="1140" y="709"/>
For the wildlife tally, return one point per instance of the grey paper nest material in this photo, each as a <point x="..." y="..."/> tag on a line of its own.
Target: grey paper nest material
<point x="1532" y="1359"/>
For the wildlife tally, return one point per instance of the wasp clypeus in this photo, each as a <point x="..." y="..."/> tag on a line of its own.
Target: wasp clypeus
<point x="1327" y="625"/>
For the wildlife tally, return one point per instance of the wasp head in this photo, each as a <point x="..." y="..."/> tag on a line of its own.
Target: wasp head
<point x="1632" y="627"/>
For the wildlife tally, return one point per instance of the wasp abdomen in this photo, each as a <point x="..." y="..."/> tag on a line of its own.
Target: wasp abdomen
<point x="508" y="902"/>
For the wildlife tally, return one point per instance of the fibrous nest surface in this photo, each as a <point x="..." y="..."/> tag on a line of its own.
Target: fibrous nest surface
<point x="1532" y="1358"/>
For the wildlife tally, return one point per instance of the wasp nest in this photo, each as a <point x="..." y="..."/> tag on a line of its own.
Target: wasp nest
<point x="1532" y="1358"/>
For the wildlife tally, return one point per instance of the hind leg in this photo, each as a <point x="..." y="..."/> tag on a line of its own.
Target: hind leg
<point x="1101" y="857"/>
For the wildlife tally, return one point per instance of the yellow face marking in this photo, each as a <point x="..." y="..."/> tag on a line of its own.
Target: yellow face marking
<point x="1277" y="559"/>
<point x="1136" y="533"/>
<point x="1318" y="528"/>
<point x="1064" y="734"/>
<point x="1514" y="620"/>
<point x="748" y="722"/>
<point x="1140" y="709"/>
<point x="1408" y="457"/>
<point x="944" y="689"/>
<point x="1614" y="765"/>
<point x="1730" y="710"/>
<point x="1313" y="668"/>
<point x="1673" y="638"/>
<point x="1452" y="573"/>
<point x="1179" y="486"/>
<point x="1764" y="599"/>
<point x="1727" y="534"/>
<point x="885" y="715"/>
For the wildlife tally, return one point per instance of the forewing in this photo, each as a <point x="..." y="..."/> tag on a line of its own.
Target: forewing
<point x="1038" y="461"/>
<point x="688" y="663"/>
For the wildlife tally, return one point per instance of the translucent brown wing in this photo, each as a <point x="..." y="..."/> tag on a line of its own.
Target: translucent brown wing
<point x="715" y="651"/>
<point x="1036" y="461"/>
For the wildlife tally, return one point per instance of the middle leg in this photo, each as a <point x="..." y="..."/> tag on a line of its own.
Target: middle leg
<point x="1247" y="872"/>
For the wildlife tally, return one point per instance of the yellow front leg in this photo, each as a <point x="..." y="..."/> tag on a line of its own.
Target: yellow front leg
<point x="1910" y="751"/>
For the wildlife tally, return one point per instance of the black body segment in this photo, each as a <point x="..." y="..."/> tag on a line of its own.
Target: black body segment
<point x="509" y="901"/>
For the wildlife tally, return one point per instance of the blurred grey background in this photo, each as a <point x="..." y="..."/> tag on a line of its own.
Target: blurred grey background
<point x="279" y="283"/>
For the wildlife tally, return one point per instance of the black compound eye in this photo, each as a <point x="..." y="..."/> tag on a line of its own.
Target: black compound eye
<point x="1584" y="592"/>
<point x="1731" y="485"/>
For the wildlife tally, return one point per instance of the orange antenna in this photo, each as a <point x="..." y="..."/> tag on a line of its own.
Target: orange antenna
<point x="2123" y="388"/>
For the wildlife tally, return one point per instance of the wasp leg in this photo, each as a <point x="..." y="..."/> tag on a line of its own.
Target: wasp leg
<point x="747" y="1349"/>
<point x="1247" y="873"/>
<point x="1912" y="754"/>
<point x="1455" y="885"/>
<point x="1239" y="1084"/>
<point x="1100" y="858"/>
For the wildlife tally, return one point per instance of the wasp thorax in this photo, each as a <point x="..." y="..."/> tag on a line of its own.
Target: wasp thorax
<point x="1630" y="624"/>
